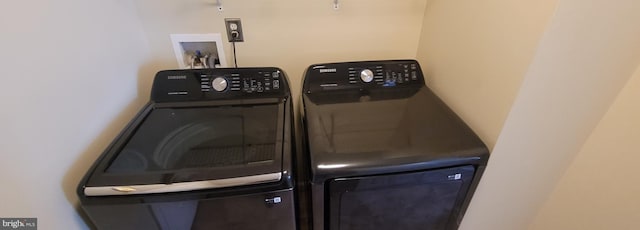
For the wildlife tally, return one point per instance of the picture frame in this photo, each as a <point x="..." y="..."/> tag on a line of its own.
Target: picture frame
<point x="199" y="50"/>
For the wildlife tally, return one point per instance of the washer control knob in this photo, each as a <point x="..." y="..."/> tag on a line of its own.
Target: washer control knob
<point x="219" y="84"/>
<point x="366" y="75"/>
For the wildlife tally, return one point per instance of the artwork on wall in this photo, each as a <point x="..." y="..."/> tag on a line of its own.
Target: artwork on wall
<point x="197" y="51"/>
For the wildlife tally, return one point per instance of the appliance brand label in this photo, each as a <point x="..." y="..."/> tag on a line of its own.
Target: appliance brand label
<point x="456" y="176"/>
<point x="178" y="77"/>
<point x="328" y="70"/>
<point x="274" y="200"/>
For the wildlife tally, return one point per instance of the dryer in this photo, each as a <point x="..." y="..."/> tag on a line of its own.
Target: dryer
<point x="212" y="149"/>
<point x="383" y="151"/>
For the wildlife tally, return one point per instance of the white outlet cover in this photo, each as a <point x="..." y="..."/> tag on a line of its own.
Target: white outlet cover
<point x="213" y="41"/>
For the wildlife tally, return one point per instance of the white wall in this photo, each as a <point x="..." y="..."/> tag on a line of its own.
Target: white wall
<point x="532" y="78"/>
<point x="69" y="84"/>
<point x="291" y="34"/>
<point x="476" y="53"/>
<point x="585" y="57"/>
<point x="600" y="190"/>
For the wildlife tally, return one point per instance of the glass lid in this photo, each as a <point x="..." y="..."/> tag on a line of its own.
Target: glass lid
<point x="174" y="139"/>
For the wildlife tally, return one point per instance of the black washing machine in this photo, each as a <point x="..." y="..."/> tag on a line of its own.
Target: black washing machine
<point x="212" y="149"/>
<point x="383" y="151"/>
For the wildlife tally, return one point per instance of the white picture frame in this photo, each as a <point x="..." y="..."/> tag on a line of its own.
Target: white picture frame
<point x="184" y="46"/>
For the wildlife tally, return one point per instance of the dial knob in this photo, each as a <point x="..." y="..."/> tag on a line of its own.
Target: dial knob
<point x="219" y="84"/>
<point x="366" y="75"/>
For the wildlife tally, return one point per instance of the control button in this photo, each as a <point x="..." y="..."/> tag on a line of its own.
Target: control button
<point x="219" y="84"/>
<point x="414" y="76"/>
<point x="276" y="84"/>
<point x="366" y="75"/>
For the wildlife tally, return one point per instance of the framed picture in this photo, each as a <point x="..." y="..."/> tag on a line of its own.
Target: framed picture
<point x="196" y="51"/>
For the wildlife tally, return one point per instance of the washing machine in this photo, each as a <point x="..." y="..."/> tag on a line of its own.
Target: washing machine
<point x="382" y="151"/>
<point x="212" y="149"/>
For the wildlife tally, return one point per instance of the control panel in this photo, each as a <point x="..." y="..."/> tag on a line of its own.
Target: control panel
<point x="258" y="82"/>
<point x="363" y="75"/>
<point x="212" y="84"/>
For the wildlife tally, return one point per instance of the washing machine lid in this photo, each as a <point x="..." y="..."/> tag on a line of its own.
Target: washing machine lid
<point x="384" y="131"/>
<point x="174" y="149"/>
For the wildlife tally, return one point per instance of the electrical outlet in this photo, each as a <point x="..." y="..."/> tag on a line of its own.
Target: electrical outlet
<point x="234" y="29"/>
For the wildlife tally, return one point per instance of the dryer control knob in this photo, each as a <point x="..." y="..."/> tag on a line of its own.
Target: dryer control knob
<point x="366" y="75"/>
<point x="219" y="84"/>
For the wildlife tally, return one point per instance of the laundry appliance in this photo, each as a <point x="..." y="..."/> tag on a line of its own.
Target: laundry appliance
<point x="212" y="149"/>
<point x="382" y="151"/>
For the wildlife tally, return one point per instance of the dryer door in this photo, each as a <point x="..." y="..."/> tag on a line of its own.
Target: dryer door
<point x="411" y="201"/>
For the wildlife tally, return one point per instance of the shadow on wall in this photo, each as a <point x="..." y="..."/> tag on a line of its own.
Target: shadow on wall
<point x="79" y="168"/>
